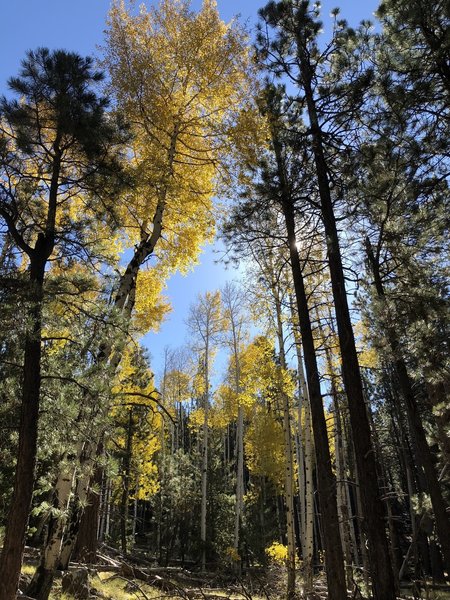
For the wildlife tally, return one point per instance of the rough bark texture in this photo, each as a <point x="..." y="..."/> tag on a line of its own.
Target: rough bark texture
<point x="383" y="583"/>
<point x="85" y="550"/>
<point x="325" y="478"/>
<point x="16" y="525"/>
<point x="305" y="466"/>
<point x="423" y="452"/>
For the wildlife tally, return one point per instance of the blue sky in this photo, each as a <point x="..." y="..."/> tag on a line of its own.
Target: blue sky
<point x="78" y="25"/>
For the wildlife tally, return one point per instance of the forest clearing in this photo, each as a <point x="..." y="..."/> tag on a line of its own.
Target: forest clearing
<point x="293" y="440"/>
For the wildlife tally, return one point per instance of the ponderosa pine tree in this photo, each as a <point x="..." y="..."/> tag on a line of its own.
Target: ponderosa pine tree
<point x="399" y="173"/>
<point x="56" y="143"/>
<point x="277" y="189"/>
<point x="293" y="49"/>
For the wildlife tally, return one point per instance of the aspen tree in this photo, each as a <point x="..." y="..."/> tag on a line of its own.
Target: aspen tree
<point x="233" y="306"/>
<point x="288" y="455"/>
<point x="205" y="323"/>
<point x="304" y="461"/>
<point x="179" y="77"/>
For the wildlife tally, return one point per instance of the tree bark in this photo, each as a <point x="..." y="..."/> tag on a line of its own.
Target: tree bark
<point x="383" y="584"/>
<point x="305" y="468"/>
<point x="205" y="439"/>
<point x="16" y="525"/>
<point x="325" y="478"/>
<point x="42" y="581"/>
<point x="423" y="453"/>
<point x="124" y="500"/>
<point x="288" y="461"/>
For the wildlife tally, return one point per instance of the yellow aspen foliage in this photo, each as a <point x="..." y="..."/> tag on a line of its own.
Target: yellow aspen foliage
<point x="277" y="553"/>
<point x="146" y="471"/>
<point x="261" y="383"/>
<point x="264" y="447"/>
<point x="196" y="419"/>
<point x="217" y="417"/>
<point x="177" y="387"/>
<point x="180" y="77"/>
<point x="367" y="355"/>
<point x="150" y="307"/>
<point x="257" y="372"/>
<point x="135" y="408"/>
<point x="227" y="398"/>
<point x="133" y="382"/>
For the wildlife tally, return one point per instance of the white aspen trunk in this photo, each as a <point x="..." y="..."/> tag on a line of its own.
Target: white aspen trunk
<point x="135" y="513"/>
<point x="204" y="489"/>
<point x="43" y="577"/>
<point x="289" y="498"/>
<point x="306" y="487"/>
<point x="102" y="510"/>
<point x="352" y="517"/>
<point x="232" y="300"/>
<point x="81" y="493"/>
<point x="341" y="496"/>
<point x="204" y="322"/>
<point x="108" y="509"/>
<point x="300" y="455"/>
<point x="288" y="460"/>
<point x="364" y="553"/>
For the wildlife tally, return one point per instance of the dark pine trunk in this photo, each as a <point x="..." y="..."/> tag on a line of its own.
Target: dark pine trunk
<point x="41" y="585"/>
<point x="87" y="538"/>
<point x="423" y="453"/>
<point x="325" y="478"/>
<point x="16" y="525"/>
<point x="383" y="582"/>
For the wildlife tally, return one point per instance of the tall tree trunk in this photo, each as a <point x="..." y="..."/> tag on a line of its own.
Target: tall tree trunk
<point x="16" y="524"/>
<point x="85" y="550"/>
<point x="79" y="500"/>
<point x="325" y="477"/>
<point x="305" y="467"/>
<point x="339" y="454"/>
<point x="40" y="586"/>
<point x="239" y="504"/>
<point x="343" y="509"/>
<point x="423" y="454"/>
<point x="288" y="460"/>
<point x="124" y="302"/>
<point x="383" y="583"/>
<point x="125" y="496"/>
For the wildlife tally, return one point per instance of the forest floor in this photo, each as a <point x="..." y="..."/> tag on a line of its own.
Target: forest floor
<point x="116" y="579"/>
